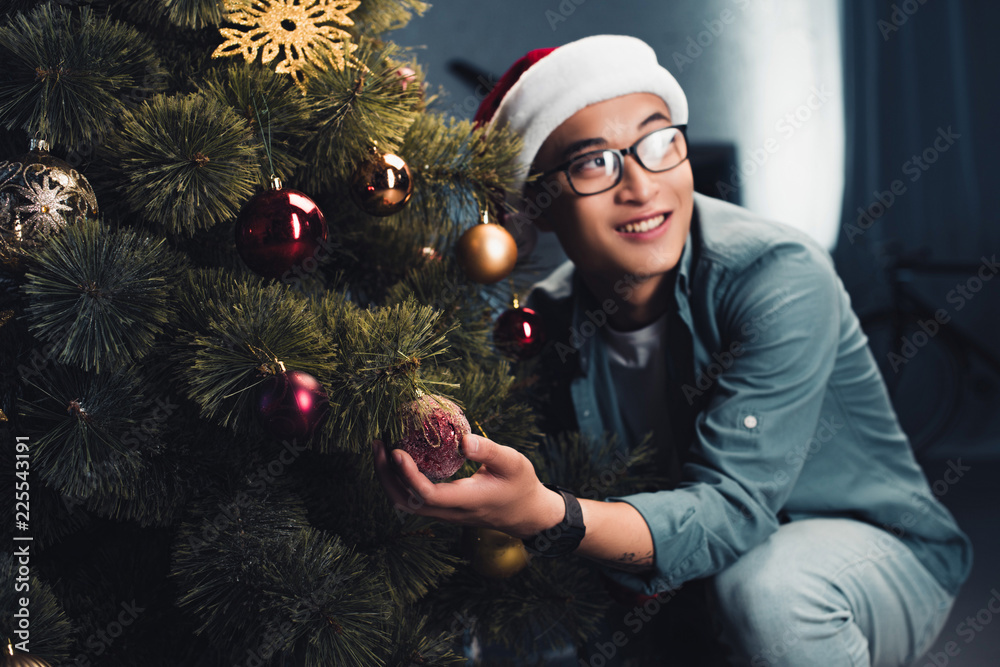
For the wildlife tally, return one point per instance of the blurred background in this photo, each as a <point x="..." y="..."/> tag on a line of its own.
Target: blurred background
<point x="867" y="123"/>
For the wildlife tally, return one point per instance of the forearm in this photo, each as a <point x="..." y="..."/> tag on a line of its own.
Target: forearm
<point x="617" y="536"/>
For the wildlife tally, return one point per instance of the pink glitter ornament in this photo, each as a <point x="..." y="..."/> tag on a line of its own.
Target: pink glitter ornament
<point x="433" y="427"/>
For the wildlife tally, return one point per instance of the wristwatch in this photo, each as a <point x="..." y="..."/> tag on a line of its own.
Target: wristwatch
<point x="563" y="537"/>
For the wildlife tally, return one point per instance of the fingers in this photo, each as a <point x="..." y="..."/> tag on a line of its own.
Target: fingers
<point x="411" y="475"/>
<point x="401" y="495"/>
<point x="499" y="460"/>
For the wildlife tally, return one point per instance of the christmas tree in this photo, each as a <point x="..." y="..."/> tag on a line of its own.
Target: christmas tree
<point x="195" y="356"/>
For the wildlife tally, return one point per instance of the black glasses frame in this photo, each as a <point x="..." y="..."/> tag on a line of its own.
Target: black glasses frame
<point x="622" y="152"/>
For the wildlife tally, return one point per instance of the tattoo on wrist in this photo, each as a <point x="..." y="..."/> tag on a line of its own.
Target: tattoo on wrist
<point x="630" y="561"/>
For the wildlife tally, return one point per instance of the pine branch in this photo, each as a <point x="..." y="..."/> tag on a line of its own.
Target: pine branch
<point x="600" y="469"/>
<point x="526" y="611"/>
<point x="256" y="92"/>
<point x="436" y="281"/>
<point x="51" y="629"/>
<point x="100" y="296"/>
<point x="221" y="555"/>
<point x="381" y="352"/>
<point x="458" y="171"/>
<point x="68" y="76"/>
<point x="374" y="17"/>
<point x="357" y="106"/>
<point x="414" y="645"/>
<point x="336" y="608"/>
<point x="487" y="391"/>
<point x="186" y="163"/>
<point x="236" y="332"/>
<point x="77" y="422"/>
<point x="411" y="552"/>
<point x="195" y="14"/>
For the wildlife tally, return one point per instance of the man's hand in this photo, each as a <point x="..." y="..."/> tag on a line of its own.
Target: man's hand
<point x="504" y="494"/>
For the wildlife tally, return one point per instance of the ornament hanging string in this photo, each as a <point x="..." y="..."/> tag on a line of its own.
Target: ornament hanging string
<point x="256" y="350"/>
<point x="265" y="138"/>
<point x="43" y="123"/>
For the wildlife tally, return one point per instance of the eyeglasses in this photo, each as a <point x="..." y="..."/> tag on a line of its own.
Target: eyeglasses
<point x="598" y="171"/>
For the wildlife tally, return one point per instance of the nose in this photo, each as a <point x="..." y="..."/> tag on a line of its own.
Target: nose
<point x="638" y="185"/>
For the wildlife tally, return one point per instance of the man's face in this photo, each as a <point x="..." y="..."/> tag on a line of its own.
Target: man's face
<point x="594" y="230"/>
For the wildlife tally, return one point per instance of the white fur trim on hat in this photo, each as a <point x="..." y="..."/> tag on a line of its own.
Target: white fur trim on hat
<point x="576" y="75"/>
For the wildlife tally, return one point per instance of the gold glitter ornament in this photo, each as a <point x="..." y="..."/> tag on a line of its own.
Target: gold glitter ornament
<point x="39" y="195"/>
<point x="297" y="30"/>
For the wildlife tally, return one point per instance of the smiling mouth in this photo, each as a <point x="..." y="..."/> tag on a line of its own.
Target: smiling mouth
<point x="647" y="225"/>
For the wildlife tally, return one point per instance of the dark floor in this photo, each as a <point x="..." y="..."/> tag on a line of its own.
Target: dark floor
<point x="971" y="636"/>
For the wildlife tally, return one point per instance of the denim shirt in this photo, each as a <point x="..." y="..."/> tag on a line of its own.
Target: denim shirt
<point x="790" y="418"/>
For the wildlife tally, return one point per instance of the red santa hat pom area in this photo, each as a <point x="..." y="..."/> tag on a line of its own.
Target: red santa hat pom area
<point x="547" y="86"/>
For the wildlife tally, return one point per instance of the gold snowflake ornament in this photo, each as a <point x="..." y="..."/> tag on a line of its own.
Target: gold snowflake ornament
<point x="297" y="30"/>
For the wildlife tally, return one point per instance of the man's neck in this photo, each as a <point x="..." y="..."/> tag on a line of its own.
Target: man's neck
<point x="640" y="304"/>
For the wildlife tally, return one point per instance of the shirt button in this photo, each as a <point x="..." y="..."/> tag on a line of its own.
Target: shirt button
<point x="586" y="413"/>
<point x="750" y="421"/>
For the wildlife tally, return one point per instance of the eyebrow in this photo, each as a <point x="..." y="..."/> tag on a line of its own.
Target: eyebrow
<point x="598" y="142"/>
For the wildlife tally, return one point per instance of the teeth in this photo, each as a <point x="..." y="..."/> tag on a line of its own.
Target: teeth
<point x="644" y="225"/>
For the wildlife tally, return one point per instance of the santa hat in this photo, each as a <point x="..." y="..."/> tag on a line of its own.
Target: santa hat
<point x="547" y="86"/>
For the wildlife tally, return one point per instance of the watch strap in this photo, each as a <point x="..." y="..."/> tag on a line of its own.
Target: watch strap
<point x="566" y="535"/>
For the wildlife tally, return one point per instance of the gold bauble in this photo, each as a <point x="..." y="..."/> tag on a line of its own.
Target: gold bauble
<point x="382" y="184"/>
<point x="487" y="253"/>
<point x="493" y="553"/>
<point x="9" y="657"/>
<point x="39" y="195"/>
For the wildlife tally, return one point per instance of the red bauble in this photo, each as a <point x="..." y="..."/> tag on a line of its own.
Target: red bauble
<point x="291" y="405"/>
<point x="433" y="427"/>
<point x="518" y="333"/>
<point x="279" y="229"/>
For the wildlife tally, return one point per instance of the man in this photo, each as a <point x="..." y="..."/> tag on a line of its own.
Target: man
<point x="732" y="340"/>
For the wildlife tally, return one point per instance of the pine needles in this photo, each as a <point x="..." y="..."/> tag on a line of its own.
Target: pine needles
<point x="186" y="162"/>
<point x="101" y="297"/>
<point x="68" y="75"/>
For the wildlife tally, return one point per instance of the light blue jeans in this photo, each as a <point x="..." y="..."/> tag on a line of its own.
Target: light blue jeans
<point x="829" y="593"/>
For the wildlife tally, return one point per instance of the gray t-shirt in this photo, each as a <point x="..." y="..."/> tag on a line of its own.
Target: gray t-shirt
<point x="639" y="367"/>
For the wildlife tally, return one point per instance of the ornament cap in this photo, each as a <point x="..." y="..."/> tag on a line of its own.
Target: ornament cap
<point x="275" y="182"/>
<point x="39" y="145"/>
